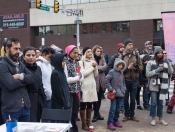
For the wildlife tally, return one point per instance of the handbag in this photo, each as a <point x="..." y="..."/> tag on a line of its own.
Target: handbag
<point x="112" y="95"/>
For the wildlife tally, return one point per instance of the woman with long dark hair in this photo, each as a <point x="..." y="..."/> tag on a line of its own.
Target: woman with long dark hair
<point x="157" y="71"/>
<point x="100" y="86"/>
<point x="35" y="90"/>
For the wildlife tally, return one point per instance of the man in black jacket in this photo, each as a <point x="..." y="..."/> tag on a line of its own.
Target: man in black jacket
<point x="13" y="78"/>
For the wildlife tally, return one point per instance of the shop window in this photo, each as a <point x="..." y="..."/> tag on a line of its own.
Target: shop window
<point x="84" y="29"/>
<point x="103" y="27"/>
<point x="159" y="25"/>
<point x="114" y="27"/>
<point x="62" y="30"/>
<point x="71" y="29"/>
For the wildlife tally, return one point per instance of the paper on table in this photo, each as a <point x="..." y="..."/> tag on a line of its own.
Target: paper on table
<point x="53" y="129"/>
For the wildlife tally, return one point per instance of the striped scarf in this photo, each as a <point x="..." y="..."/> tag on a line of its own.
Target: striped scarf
<point x="163" y="76"/>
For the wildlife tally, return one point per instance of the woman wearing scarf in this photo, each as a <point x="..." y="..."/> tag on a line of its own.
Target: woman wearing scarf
<point x="35" y="90"/>
<point x="90" y="71"/>
<point x="157" y="71"/>
<point x="74" y="79"/>
<point x="101" y="64"/>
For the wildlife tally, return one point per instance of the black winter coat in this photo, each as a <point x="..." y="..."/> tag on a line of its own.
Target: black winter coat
<point x="13" y="90"/>
<point x="60" y="92"/>
<point x="36" y="93"/>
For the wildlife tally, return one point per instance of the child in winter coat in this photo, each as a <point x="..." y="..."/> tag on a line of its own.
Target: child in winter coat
<point x="115" y="82"/>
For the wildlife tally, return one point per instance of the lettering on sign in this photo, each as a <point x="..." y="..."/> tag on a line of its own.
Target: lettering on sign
<point x="74" y="11"/>
<point x="13" y="21"/>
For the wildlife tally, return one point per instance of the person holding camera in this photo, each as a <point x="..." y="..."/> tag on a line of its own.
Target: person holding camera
<point x="157" y="71"/>
<point x="145" y="56"/>
<point x="131" y="74"/>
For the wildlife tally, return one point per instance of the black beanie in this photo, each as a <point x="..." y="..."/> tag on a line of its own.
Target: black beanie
<point x="85" y="49"/>
<point x="127" y="41"/>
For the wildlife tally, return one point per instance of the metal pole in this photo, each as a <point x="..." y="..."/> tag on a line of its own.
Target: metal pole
<point x="78" y="30"/>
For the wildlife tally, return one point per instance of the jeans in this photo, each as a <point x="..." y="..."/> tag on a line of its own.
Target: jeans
<point x="48" y="104"/>
<point x="23" y="115"/>
<point x="131" y="91"/>
<point x="115" y="110"/>
<point x="156" y="105"/>
<point x="146" y="95"/>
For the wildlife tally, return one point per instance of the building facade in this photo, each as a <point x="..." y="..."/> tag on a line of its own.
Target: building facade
<point x="104" y="22"/>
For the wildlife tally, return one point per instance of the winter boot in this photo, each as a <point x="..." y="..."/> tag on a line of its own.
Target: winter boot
<point x="100" y="117"/>
<point x="88" y="117"/>
<point x="95" y="118"/>
<point x="83" y="120"/>
<point x="169" y="109"/>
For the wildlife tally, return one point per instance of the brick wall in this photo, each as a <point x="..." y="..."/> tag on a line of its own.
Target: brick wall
<point x="107" y="40"/>
<point x="15" y="7"/>
<point x="141" y="31"/>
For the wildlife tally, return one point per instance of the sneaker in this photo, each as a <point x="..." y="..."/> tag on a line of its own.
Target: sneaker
<point x="139" y="107"/>
<point x="118" y="124"/>
<point x="153" y="122"/>
<point x="163" y="122"/>
<point x="110" y="126"/>
<point x="134" y="119"/>
<point x="125" y="119"/>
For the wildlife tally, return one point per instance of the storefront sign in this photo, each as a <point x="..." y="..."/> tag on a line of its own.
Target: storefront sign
<point x="14" y="21"/>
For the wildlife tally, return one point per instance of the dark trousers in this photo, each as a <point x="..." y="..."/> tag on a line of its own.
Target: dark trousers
<point x="138" y="95"/>
<point x="131" y="91"/>
<point x="75" y="103"/>
<point x="85" y="105"/>
<point x="146" y="95"/>
<point x="23" y="115"/>
<point x="98" y="103"/>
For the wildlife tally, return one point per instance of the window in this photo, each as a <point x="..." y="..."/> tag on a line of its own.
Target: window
<point x="62" y="30"/>
<point x="159" y="25"/>
<point x="114" y="27"/>
<point x="103" y="27"/>
<point x="85" y="1"/>
<point x="67" y="2"/>
<point x="71" y="29"/>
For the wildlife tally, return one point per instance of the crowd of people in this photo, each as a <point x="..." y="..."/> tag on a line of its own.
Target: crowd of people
<point x="77" y="79"/>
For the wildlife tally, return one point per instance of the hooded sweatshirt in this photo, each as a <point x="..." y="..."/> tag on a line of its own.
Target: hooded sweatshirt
<point x="60" y="92"/>
<point x="115" y="79"/>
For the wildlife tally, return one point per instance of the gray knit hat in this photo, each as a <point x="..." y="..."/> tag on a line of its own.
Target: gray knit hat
<point x="157" y="49"/>
<point x="127" y="41"/>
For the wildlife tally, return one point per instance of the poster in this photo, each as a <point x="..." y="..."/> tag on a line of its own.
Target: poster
<point x="14" y="21"/>
<point x="168" y="19"/>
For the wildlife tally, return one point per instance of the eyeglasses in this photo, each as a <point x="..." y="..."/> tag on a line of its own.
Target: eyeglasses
<point x="164" y="53"/>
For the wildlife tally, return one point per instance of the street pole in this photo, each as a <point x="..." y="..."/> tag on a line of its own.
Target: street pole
<point x="78" y="29"/>
<point x="1" y="37"/>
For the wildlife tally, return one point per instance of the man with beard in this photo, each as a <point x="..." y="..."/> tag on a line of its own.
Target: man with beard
<point x="13" y="79"/>
<point x="145" y="55"/>
<point x="120" y="49"/>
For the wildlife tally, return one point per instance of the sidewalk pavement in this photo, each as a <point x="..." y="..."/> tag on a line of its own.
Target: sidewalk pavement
<point x="130" y="126"/>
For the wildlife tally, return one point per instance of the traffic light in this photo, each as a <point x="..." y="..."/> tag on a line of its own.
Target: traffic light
<point x="56" y="6"/>
<point x="38" y="4"/>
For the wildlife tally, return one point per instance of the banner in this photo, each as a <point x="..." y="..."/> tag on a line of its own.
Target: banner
<point x="168" y="19"/>
<point x="13" y="21"/>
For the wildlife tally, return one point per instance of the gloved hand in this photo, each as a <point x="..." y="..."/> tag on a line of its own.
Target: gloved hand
<point x="159" y="69"/>
<point x="74" y="74"/>
<point x="80" y="75"/>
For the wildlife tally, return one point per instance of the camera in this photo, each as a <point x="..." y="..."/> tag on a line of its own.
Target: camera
<point x="136" y="66"/>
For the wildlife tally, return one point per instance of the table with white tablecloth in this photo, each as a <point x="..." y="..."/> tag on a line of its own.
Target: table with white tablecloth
<point x="49" y="127"/>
